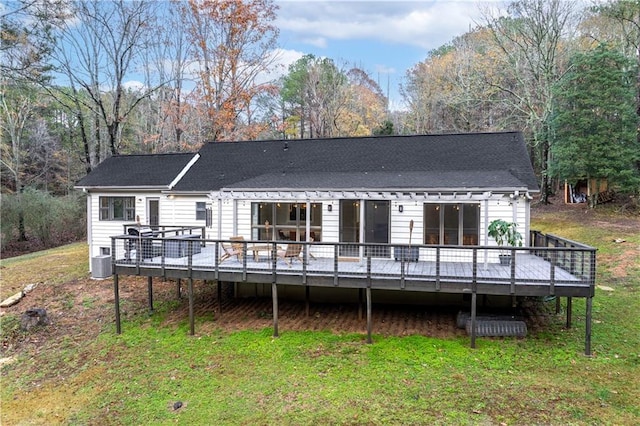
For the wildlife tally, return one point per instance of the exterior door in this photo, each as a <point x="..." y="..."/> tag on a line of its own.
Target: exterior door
<point x="349" y="227"/>
<point x="376" y="226"/>
<point x="153" y="212"/>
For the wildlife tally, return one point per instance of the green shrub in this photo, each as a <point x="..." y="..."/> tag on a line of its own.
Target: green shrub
<point x="48" y="219"/>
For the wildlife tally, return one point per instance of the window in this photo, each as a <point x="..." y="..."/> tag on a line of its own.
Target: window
<point x="201" y="210"/>
<point x="285" y="221"/>
<point x="117" y="208"/>
<point x="451" y="224"/>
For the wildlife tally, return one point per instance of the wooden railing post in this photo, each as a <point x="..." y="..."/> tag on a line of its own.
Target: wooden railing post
<point x="438" y="268"/>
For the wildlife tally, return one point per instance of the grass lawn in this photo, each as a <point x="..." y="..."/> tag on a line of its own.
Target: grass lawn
<point x="78" y="371"/>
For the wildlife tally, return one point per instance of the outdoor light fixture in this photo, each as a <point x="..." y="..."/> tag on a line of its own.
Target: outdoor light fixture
<point x="330" y="207"/>
<point x="400" y="208"/>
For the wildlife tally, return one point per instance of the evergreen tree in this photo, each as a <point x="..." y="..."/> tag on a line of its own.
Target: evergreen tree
<point x="594" y="124"/>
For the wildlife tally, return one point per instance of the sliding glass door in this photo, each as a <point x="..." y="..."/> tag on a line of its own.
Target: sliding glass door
<point x="375" y="228"/>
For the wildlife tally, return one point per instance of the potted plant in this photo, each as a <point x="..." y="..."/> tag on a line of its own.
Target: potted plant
<point x="505" y="234"/>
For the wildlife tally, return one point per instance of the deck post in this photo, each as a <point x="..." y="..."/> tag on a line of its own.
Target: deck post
<point x="368" y="291"/>
<point x="191" y="325"/>
<point x="474" y="297"/>
<point x="558" y="307"/>
<point x="274" y="295"/>
<point x="150" y="291"/>
<point x="219" y="288"/>
<point x="306" y="300"/>
<point x="569" y="313"/>
<point x="360" y="294"/>
<point x="116" y="294"/>
<point x="179" y="289"/>
<point x="587" y="332"/>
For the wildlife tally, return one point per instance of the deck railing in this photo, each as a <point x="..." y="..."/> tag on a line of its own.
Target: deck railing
<point x="578" y="259"/>
<point x="549" y="261"/>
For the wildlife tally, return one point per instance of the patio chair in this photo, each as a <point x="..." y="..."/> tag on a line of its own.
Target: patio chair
<point x="292" y="252"/>
<point x="235" y="248"/>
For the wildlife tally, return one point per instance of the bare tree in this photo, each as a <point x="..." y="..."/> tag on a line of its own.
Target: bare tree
<point x="98" y="51"/>
<point x="25" y="36"/>
<point x="532" y="39"/>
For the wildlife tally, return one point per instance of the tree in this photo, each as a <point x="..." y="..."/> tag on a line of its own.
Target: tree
<point x="162" y="122"/>
<point x="455" y="88"/>
<point x="626" y="14"/>
<point x="532" y="39"/>
<point x="594" y="124"/>
<point x="366" y="105"/>
<point x="97" y="52"/>
<point x="232" y="42"/>
<point x="315" y="91"/>
<point x="25" y="37"/>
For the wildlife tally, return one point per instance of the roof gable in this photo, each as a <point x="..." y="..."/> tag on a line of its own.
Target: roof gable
<point x="137" y="171"/>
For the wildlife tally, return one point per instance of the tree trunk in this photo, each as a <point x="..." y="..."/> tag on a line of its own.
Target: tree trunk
<point x="22" y="233"/>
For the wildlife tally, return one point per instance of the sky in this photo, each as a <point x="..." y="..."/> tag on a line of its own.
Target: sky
<point x="384" y="38"/>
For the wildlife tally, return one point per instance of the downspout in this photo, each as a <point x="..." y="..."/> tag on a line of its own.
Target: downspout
<point x="234" y="217"/>
<point x="219" y="216"/>
<point x="308" y="221"/>
<point x="485" y="232"/>
<point x="362" y="230"/>
<point x="89" y="226"/>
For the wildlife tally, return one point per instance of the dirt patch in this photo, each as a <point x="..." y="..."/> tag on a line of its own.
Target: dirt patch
<point x="79" y="311"/>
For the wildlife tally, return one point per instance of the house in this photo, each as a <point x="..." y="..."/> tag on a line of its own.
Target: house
<point x="389" y="214"/>
<point x="362" y="190"/>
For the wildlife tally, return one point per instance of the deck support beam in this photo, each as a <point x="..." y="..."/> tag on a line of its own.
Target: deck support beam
<point x="150" y="292"/>
<point x="474" y="294"/>
<point x="116" y="295"/>
<point x="192" y="330"/>
<point x="474" y="299"/>
<point x="306" y="300"/>
<point x="360" y="297"/>
<point x="569" y="311"/>
<point x="587" y="333"/>
<point x="179" y="289"/>
<point x="369" y="339"/>
<point x="274" y="296"/>
<point x="219" y="288"/>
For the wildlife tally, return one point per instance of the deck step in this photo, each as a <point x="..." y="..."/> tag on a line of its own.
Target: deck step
<point x="463" y="317"/>
<point x="498" y="328"/>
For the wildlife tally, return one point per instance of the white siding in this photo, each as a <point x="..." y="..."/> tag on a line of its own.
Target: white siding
<point x="236" y="218"/>
<point x="233" y="217"/>
<point x="180" y="210"/>
<point x="400" y="222"/>
<point x="102" y="230"/>
<point x="331" y="221"/>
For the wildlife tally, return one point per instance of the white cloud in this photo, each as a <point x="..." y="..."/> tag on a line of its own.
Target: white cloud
<point x="423" y="24"/>
<point x="384" y="69"/>
<point x="320" y="42"/>
<point x="280" y="61"/>
<point x="134" y="85"/>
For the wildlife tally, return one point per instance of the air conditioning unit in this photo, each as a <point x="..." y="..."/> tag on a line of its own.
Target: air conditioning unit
<point x="101" y="266"/>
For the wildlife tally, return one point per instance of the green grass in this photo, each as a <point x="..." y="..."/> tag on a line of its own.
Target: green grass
<point x="249" y="377"/>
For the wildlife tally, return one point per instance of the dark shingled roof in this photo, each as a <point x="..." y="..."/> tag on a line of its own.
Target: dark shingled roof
<point x="451" y="161"/>
<point x="134" y="171"/>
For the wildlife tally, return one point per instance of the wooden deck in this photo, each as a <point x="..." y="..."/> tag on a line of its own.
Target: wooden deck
<point x="552" y="267"/>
